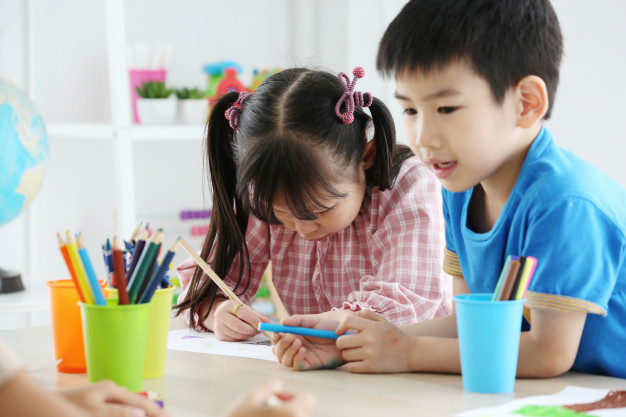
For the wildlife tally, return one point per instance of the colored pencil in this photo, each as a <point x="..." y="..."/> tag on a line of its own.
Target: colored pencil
<point x="79" y="269"/>
<point x="155" y="279"/>
<point x="91" y="275"/>
<point x="507" y="286"/>
<point x="503" y="275"/>
<point x="108" y="258"/>
<point x="304" y="331"/>
<point x="119" y="272"/>
<point x="281" y="311"/>
<point x="148" y="256"/>
<point x="70" y="268"/>
<point x="135" y="234"/>
<point x="139" y="247"/>
<point x="529" y="269"/>
<point x="211" y="274"/>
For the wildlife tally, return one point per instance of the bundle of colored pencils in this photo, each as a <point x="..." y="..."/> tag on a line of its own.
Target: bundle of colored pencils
<point x="133" y="270"/>
<point x="514" y="278"/>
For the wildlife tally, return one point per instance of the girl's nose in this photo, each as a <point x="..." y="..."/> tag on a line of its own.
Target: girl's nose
<point x="305" y="228"/>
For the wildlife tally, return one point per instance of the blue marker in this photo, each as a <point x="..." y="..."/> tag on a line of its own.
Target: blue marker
<point x="304" y="331"/>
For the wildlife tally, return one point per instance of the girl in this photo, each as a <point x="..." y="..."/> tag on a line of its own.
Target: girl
<point x="347" y="224"/>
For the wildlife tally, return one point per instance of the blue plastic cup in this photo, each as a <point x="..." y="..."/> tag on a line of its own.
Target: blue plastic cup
<point x="489" y="333"/>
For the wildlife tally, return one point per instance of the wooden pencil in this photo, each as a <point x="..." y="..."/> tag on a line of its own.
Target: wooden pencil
<point x="211" y="274"/>
<point x="70" y="268"/>
<point x="148" y="257"/>
<point x="145" y="295"/>
<point x="133" y="236"/>
<point x="281" y="311"/>
<point x="79" y="269"/>
<point x="139" y="247"/>
<point x="91" y="275"/>
<point x="120" y="273"/>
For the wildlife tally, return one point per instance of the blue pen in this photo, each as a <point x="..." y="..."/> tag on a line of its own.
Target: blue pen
<point x="304" y="331"/>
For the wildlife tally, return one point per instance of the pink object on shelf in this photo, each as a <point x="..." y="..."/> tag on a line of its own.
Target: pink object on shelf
<point x="137" y="76"/>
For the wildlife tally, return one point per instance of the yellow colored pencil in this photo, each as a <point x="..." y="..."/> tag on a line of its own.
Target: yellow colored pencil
<point x="81" y="275"/>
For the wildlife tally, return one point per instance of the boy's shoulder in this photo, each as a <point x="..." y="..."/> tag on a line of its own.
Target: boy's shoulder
<point x="551" y="174"/>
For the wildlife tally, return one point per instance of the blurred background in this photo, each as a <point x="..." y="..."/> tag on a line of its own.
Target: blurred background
<point x="105" y="172"/>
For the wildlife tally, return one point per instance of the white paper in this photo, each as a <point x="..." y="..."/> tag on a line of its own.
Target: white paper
<point x="570" y="395"/>
<point x="258" y="347"/>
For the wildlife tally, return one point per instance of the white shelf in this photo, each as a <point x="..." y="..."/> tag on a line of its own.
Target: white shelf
<point x="97" y="131"/>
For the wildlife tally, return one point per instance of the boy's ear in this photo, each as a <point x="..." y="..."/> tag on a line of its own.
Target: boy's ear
<point x="369" y="155"/>
<point x="533" y="100"/>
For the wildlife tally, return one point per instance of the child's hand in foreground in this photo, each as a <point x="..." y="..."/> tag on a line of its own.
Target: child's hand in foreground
<point x="270" y="400"/>
<point x="106" y="399"/>
<point x="243" y="326"/>
<point x="377" y="347"/>
<point x="304" y="352"/>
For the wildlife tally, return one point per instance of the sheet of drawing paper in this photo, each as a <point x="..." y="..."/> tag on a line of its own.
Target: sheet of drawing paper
<point x="258" y="347"/>
<point x="547" y="404"/>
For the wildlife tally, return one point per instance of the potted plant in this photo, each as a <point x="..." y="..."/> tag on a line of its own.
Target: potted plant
<point x="156" y="104"/>
<point x="193" y="105"/>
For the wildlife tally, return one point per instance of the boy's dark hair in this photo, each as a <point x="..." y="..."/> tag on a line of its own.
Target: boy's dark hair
<point x="289" y="143"/>
<point x="504" y="40"/>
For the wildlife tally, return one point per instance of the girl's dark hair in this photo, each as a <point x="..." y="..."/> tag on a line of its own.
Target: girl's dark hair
<point x="289" y="143"/>
<point x="504" y="41"/>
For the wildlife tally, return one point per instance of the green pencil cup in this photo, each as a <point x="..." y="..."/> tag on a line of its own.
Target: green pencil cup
<point x="115" y="342"/>
<point x="158" y="329"/>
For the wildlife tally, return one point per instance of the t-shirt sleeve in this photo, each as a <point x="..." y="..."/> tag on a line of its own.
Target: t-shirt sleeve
<point x="451" y="265"/>
<point x="578" y="251"/>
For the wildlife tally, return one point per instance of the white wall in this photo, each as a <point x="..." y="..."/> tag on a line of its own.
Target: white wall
<point x="69" y="83"/>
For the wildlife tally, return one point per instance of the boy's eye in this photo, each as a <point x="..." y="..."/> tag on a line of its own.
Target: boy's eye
<point x="446" y="110"/>
<point x="409" y="112"/>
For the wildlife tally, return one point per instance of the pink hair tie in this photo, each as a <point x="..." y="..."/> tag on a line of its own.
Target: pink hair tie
<point x="234" y="112"/>
<point x="351" y="97"/>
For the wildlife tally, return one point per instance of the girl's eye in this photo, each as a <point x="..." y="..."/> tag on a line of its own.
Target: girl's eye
<point x="409" y="112"/>
<point x="446" y="110"/>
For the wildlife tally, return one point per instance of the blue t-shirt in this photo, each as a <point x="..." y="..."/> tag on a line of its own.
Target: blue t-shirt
<point x="571" y="217"/>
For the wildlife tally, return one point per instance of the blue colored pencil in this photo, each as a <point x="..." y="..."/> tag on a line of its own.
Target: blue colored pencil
<point x="155" y="280"/>
<point x="108" y="258"/>
<point x="304" y="331"/>
<point x="91" y="275"/>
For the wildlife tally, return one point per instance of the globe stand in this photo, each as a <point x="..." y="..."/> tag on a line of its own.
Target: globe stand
<point x="10" y="281"/>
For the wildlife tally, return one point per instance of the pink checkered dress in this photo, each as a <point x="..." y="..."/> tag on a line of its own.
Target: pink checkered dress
<point x="388" y="260"/>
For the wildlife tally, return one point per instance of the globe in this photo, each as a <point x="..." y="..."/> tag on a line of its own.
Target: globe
<point x="23" y="158"/>
<point x="23" y="151"/>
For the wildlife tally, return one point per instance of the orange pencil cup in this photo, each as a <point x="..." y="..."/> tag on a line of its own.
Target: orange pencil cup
<point x="67" y="331"/>
<point x="158" y="328"/>
<point x="115" y="342"/>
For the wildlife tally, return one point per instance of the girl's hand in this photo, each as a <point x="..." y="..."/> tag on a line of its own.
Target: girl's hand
<point x="378" y="347"/>
<point x="243" y="326"/>
<point x="107" y="399"/>
<point x="271" y="400"/>
<point x="303" y="352"/>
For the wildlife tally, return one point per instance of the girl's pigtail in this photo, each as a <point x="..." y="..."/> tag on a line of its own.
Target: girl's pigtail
<point x="225" y="239"/>
<point x="389" y="155"/>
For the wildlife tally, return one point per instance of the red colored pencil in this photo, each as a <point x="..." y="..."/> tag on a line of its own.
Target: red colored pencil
<point x="120" y="274"/>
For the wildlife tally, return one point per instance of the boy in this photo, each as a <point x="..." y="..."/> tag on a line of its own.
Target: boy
<point x="475" y="80"/>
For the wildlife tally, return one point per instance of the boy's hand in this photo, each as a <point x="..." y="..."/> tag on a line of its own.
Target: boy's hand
<point x="377" y="347"/>
<point x="106" y="399"/>
<point x="243" y="326"/>
<point x="303" y="352"/>
<point x="271" y="400"/>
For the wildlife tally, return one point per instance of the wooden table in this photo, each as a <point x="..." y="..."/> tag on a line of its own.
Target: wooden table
<point x="202" y="385"/>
